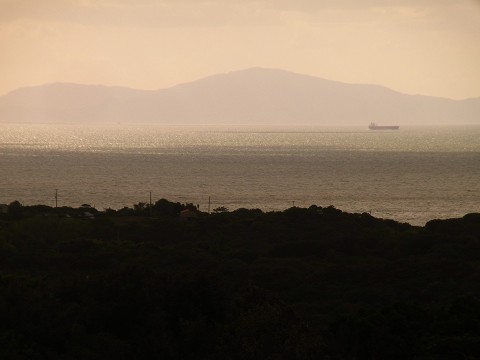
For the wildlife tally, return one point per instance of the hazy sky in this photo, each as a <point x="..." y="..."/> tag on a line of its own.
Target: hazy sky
<point x="429" y="47"/>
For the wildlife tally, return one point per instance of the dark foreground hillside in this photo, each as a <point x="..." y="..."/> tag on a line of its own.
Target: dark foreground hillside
<point x="312" y="283"/>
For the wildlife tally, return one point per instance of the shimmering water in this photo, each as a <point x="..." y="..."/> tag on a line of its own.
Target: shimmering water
<point x="412" y="175"/>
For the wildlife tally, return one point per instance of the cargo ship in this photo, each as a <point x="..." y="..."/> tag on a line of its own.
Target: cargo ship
<point x="374" y="126"/>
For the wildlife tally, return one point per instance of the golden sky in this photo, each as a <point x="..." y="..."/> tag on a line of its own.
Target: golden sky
<point x="429" y="47"/>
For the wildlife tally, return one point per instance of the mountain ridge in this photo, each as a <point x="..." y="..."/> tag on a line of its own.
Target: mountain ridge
<point x="245" y="97"/>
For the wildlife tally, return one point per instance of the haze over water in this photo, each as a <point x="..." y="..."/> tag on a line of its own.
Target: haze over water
<point x="411" y="175"/>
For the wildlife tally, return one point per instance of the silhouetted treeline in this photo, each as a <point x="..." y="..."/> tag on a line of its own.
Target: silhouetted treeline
<point x="317" y="283"/>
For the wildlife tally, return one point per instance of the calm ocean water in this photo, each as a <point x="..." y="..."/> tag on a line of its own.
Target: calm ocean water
<point x="411" y="175"/>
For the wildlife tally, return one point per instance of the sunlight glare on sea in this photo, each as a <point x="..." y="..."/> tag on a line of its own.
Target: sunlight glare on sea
<point x="151" y="137"/>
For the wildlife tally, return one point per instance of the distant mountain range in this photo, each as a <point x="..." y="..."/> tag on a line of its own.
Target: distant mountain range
<point x="255" y="96"/>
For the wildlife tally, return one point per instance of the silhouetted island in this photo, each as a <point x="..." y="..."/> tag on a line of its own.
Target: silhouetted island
<point x="170" y="282"/>
<point x="252" y="97"/>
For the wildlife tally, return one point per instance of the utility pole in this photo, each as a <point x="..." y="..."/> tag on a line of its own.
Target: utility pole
<point x="56" y="197"/>
<point x="150" y="207"/>
<point x="209" y="204"/>
<point x="293" y="203"/>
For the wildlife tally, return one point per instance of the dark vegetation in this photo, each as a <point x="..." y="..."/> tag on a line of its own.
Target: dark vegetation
<point x="316" y="283"/>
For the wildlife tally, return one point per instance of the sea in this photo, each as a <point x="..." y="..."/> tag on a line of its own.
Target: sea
<point x="411" y="175"/>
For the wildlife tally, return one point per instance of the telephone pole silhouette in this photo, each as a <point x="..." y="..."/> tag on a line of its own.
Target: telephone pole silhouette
<point x="150" y="207"/>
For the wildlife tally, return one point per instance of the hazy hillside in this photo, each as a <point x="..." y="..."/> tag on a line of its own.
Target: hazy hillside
<point x="252" y="96"/>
